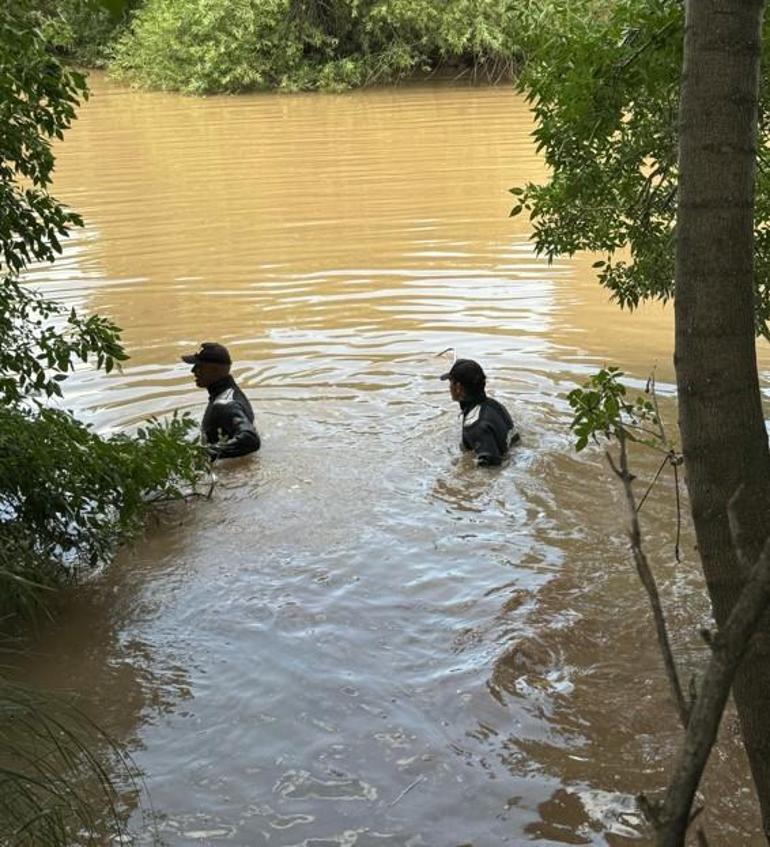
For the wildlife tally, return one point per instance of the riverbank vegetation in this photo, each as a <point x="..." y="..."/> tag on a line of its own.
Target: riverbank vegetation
<point x="85" y="30"/>
<point x="653" y="122"/>
<point x="216" y="46"/>
<point x="68" y="495"/>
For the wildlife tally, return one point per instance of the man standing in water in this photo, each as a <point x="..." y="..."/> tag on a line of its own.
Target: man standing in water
<point x="488" y="429"/>
<point x="227" y="428"/>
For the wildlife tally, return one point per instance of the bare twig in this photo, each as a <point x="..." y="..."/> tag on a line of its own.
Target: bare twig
<point x="653" y="39"/>
<point x="646" y="431"/>
<point x="650" y="486"/>
<point x="162" y="498"/>
<point x="408" y="788"/>
<point x="654" y="394"/>
<point x="673" y="458"/>
<point x="648" y="581"/>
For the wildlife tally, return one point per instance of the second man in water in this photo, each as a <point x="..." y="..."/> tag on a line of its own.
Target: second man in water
<point x="487" y="427"/>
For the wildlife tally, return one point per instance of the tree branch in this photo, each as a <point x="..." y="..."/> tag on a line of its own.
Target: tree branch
<point x="728" y="648"/>
<point x="650" y="389"/>
<point x="648" y="581"/>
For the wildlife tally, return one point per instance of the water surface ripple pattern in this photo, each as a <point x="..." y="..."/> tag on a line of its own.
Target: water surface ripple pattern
<point x="363" y="639"/>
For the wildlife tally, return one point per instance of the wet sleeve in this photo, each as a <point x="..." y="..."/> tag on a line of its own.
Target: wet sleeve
<point x="482" y="440"/>
<point x="238" y="435"/>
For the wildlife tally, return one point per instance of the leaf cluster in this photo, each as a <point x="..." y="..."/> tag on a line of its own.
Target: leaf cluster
<point x="602" y="410"/>
<point x="603" y="85"/>
<point x="40" y="340"/>
<point x="38" y="99"/>
<point x="69" y="496"/>
<point x="603" y="81"/>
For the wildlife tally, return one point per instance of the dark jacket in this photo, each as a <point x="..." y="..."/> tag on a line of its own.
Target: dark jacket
<point x="227" y="428"/>
<point x="488" y="429"/>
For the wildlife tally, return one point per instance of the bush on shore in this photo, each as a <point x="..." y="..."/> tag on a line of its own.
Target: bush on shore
<point x="227" y="46"/>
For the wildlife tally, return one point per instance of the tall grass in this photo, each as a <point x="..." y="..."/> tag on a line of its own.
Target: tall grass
<point x="63" y="781"/>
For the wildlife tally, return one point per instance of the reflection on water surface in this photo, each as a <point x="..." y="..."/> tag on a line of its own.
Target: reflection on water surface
<point x="362" y="639"/>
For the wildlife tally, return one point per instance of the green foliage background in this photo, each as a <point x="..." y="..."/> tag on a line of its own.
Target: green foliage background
<point x="603" y="81"/>
<point x="84" y="30"/>
<point x="214" y="46"/>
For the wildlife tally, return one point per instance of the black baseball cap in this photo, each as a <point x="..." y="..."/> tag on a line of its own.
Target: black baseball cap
<point x="466" y="372"/>
<point x="211" y="352"/>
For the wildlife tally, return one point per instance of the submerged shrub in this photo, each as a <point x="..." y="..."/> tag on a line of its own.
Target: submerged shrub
<point x="69" y="496"/>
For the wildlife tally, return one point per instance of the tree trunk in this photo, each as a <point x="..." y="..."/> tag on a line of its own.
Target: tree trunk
<point x="720" y="412"/>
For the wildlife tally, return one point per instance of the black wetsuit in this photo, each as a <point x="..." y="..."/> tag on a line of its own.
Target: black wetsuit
<point x="227" y="428"/>
<point x="488" y="429"/>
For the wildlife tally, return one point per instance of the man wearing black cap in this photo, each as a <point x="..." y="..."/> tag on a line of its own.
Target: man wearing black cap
<point x="488" y="429"/>
<point x="227" y="428"/>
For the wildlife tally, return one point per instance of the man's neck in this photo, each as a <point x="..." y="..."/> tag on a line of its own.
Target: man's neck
<point x="220" y="385"/>
<point x="468" y="402"/>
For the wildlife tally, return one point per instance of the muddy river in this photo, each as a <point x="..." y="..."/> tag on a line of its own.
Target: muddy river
<point x="362" y="639"/>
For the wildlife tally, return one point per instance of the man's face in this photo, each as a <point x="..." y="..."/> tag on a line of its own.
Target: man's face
<point x="207" y="373"/>
<point x="456" y="390"/>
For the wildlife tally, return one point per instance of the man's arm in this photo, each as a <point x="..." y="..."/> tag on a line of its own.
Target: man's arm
<point x="482" y="440"/>
<point x="239" y="435"/>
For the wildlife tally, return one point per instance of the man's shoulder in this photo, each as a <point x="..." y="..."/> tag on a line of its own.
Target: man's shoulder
<point x="493" y="403"/>
<point x="225" y="397"/>
<point x="230" y="394"/>
<point x="488" y="410"/>
<point x="472" y="415"/>
<point x="231" y="402"/>
<point x="492" y="409"/>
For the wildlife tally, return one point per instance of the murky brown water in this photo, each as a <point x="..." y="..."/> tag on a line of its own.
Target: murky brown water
<point x="362" y="639"/>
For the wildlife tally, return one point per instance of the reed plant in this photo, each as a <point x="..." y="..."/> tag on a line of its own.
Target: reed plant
<point x="63" y="781"/>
